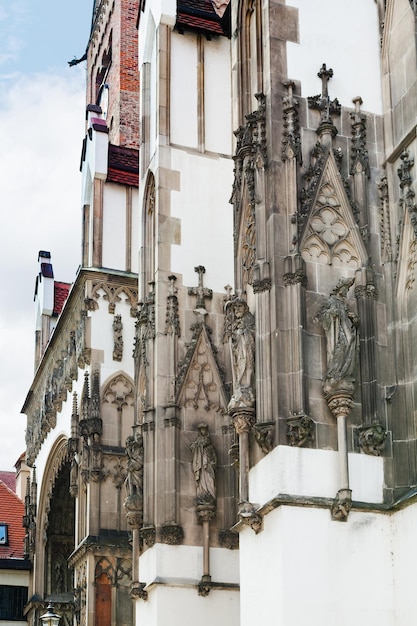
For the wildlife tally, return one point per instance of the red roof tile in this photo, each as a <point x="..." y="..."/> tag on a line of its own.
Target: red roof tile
<point x="61" y="291"/>
<point x="11" y="513"/>
<point x="123" y="166"/>
<point x="9" y="479"/>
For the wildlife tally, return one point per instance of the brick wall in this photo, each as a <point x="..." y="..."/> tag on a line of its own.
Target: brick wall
<point x="115" y="36"/>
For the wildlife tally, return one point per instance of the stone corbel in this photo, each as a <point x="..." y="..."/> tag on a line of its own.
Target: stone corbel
<point x="263" y="433"/>
<point x="148" y="535"/>
<point x="204" y="586"/>
<point x="137" y="591"/>
<point x="371" y="439"/>
<point x="249" y="516"/>
<point x="300" y="430"/>
<point x="172" y="534"/>
<point x="341" y="505"/>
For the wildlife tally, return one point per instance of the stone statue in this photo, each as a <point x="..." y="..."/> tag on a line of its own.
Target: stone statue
<point x="340" y="326"/>
<point x="135" y="454"/>
<point x="240" y="328"/>
<point x="118" y="338"/>
<point x="204" y="466"/>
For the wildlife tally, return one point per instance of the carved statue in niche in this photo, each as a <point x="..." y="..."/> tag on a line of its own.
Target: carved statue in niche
<point x="134" y="479"/>
<point x="204" y="466"/>
<point x="240" y="328"/>
<point x="118" y="338"/>
<point x="134" y="447"/>
<point x="340" y="326"/>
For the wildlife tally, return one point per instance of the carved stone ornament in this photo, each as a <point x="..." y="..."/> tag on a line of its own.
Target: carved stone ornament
<point x="341" y="505"/>
<point x="243" y="421"/>
<point x="134" y="481"/>
<point x="172" y="322"/>
<point x="137" y="591"/>
<point x="240" y="330"/>
<point x="113" y="293"/>
<point x="202" y="293"/>
<point x="199" y="384"/>
<point x="291" y="142"/>
<point x="263" y="433"/>
<point x="372" y="439"/>
<point x="29" y="518"/>
<point x="386" y="242"/>
<point x="117" y="338"/>
<point x="406" y="185"/>
<point x="234" y="453"/>
<point x="250" y="160"/>
<point x="148" y="535"/>
<point x="55" y="379"/>
<point x="90" y="429"/>
<point x="229" y="539"/>
<point x="172" y="534"/>
<point x="248" y="515"/>
<point x="204" y="586"/>
<point x="359" y="160"/>
<point x="340" y="326"/>
<point x="204" y="468"/>
<point x="295" y="278"/>
<point x="323" y="103"/>
<point x="300" y="431"/>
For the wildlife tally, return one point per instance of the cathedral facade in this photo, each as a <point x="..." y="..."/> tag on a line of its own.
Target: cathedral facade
<point x="222" y="424"/>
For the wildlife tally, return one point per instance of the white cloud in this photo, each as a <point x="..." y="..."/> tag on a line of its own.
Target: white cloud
<point x="41" y="130"/>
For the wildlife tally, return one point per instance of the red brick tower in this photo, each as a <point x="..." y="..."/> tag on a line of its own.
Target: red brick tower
<point x="112" y="69"/>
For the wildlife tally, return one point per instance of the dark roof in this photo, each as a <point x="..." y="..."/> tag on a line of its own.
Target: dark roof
<point x="123" y="166"/>
<point x="61" y="291"/>
<point x="200" y="16"/>
<point x="11" y="513"/>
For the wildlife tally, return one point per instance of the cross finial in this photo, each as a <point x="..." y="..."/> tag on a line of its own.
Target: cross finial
<point x="325" y="75"/>
<point x="200" y="291"/>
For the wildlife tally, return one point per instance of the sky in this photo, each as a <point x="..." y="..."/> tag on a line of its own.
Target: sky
<point x="42" y="117"/>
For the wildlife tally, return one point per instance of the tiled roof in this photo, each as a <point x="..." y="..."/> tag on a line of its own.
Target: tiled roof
<point x="123" y="166"/>
<point x="200" y="16"/>
<point x="11" y="513"/>
<point x="61" y="291"/>
<point x="9" y="479"/>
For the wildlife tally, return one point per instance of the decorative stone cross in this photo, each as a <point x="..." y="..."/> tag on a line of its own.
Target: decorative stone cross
<point x="325" y="75"/>
<point x="322" y="102"/>
<point x="200" y="291"/>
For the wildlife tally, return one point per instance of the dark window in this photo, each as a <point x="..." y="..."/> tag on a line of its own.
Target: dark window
<point x="12" y="602"/>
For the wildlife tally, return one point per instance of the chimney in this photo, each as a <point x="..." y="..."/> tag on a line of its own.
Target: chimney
<point x="44" y="303"/>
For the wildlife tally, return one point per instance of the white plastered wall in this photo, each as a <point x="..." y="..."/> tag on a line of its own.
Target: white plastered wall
<point x="174" y="600"/>
<point x="304" y="568"/>
<point x="354" y="59"/>
<point x="206" y="219"/>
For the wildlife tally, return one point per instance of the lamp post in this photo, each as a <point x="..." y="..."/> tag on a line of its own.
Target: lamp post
<point x="50" y="618"/>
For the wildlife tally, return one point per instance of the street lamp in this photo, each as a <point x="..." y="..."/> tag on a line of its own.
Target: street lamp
<point x="50" y="618"/>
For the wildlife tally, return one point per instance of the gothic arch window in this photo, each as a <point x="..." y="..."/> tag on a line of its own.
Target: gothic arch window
<point x="251" y="56"/>
<point x="148" y="244"/>
<point x="117" y="408"/>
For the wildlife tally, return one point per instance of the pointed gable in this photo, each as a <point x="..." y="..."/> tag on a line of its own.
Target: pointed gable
<point x="331" y="235"/>
<point x="199" y="384"/>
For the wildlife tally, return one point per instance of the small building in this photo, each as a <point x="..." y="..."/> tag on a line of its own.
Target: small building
<point x="14" y="567"/>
